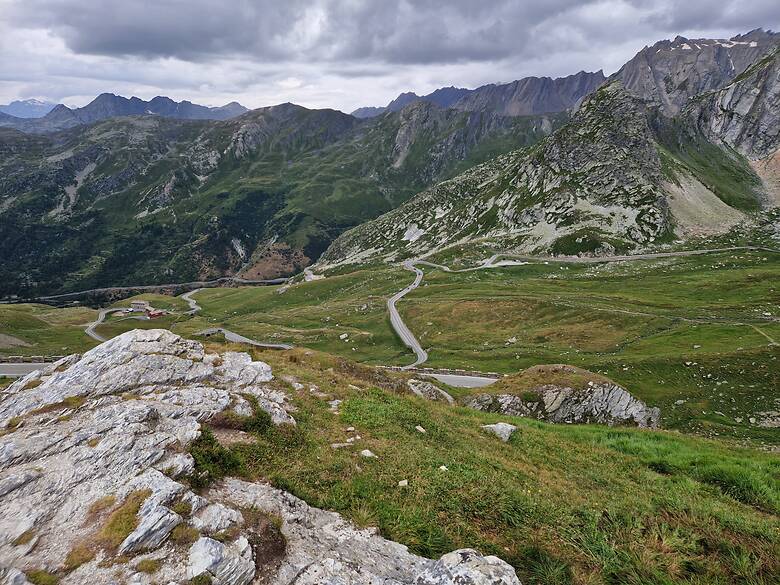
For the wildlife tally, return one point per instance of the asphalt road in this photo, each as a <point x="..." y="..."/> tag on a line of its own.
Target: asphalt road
<point x="462" y="381"/>
<point x="398" y="324"/>
<point x="236" y="338"/>
<point x="18" y="370"/>
<point x="102" y="314"/>
<point x="194" y="306"/>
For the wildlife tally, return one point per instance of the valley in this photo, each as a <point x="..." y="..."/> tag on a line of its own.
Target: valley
<point x="517" y="333"/>
<point x="696" y="335"/>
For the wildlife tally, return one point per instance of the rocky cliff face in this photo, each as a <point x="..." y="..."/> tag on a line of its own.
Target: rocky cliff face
<point x="745" y="114"/>
<point x="94" y="482"/>
<point x="669" y="73"/>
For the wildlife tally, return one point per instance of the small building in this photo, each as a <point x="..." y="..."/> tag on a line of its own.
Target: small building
<point x="154" y="313"/>
<point x="140" y="306"/>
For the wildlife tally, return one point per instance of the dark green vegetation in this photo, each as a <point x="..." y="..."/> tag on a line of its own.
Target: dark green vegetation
<point x="562" y="504"/>
<point x="145" y="200"/>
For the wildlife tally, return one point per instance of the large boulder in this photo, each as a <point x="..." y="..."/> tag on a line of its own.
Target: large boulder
<point x="565" y="394"/>
<point x="91" y="455"/>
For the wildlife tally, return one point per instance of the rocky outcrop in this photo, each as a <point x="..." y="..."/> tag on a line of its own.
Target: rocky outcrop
<point x="429" y="391"/>
<point x="669" y="73"/>
<point x="93" y="482"/>
<point x="745" y="115"/>
<point x="599" y="402"/>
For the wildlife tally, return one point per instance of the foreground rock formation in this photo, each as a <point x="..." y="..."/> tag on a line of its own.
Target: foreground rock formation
<point x="572" y="395"/>
<point x="94" y="482"/>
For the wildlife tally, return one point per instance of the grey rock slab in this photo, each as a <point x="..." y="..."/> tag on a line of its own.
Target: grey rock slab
<point x="502" y="430"/>
<point x="216" y="517"/>
<point x="227" y="564"/>
<point x="468" y="567"/>
<point x="156" y="523"/>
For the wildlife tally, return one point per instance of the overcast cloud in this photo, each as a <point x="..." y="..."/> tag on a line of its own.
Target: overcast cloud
<point x="331" y="53"/>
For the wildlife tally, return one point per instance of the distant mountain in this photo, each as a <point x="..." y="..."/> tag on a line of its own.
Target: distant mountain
<point x="524" y="97"/>
<point x="108" y="105"/>
<point x="531" y="95"/>
<point x="31" y="108"/>
<point x="671" y="72"/>
<point x="443" y="97"/>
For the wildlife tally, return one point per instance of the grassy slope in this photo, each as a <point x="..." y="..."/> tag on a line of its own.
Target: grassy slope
<point x="46" y="330"/>
<point x="563" y="504"/>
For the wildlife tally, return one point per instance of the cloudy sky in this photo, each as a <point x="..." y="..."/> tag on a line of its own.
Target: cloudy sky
<point x="331" y="53"/>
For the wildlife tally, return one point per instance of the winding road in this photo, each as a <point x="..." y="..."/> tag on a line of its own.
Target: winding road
<point x="102" y="314"/>
<point x="229" y="335"/>
<point x="410" y="340"/>
<point x="194" y="306"/>
<point x="398" y="324"/>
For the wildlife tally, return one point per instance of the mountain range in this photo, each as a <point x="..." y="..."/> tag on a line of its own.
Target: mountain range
<point x="524" y="97"/>
<point x="108" y="105"/>
<point x="153" y="199"/>
<point x="30" y="108"/>
<point x="682" y="141"/>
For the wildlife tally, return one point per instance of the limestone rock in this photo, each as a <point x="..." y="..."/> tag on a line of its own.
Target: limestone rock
<point x="216" y="517"/>
<point x="429" y="391"/>
<point x="468" y="567"/>
<point x="502" y="430"/>
<point x="230" y="564"/>
<point x="155" y="524"/>
<point x="132" y="406"/>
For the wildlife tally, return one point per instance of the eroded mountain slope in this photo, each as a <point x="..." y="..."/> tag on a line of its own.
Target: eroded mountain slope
<point x="149" y="199"/>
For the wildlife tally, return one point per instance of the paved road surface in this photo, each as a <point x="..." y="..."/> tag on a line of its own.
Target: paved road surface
<point x="236" y="338"/>
<point x="398" y="324"/>
<point x="493" y="262"/>
<point x="102" y="314"/>
<point x="18" y="370"/>
<point x="462" y="381"/>
<point x="194" y="306"/>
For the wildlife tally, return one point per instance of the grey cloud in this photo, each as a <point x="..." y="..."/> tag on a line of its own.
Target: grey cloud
<point x="344" y="53"/>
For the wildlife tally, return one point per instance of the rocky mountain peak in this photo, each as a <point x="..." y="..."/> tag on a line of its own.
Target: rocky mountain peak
<point x="669" y="73"/>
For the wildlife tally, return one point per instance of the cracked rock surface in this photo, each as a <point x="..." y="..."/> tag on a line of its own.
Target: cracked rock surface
<point x="93" y="437"/>
<point x="599" y="402"/>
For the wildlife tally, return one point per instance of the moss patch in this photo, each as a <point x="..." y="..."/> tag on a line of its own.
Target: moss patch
<point x="123" y="520"/>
